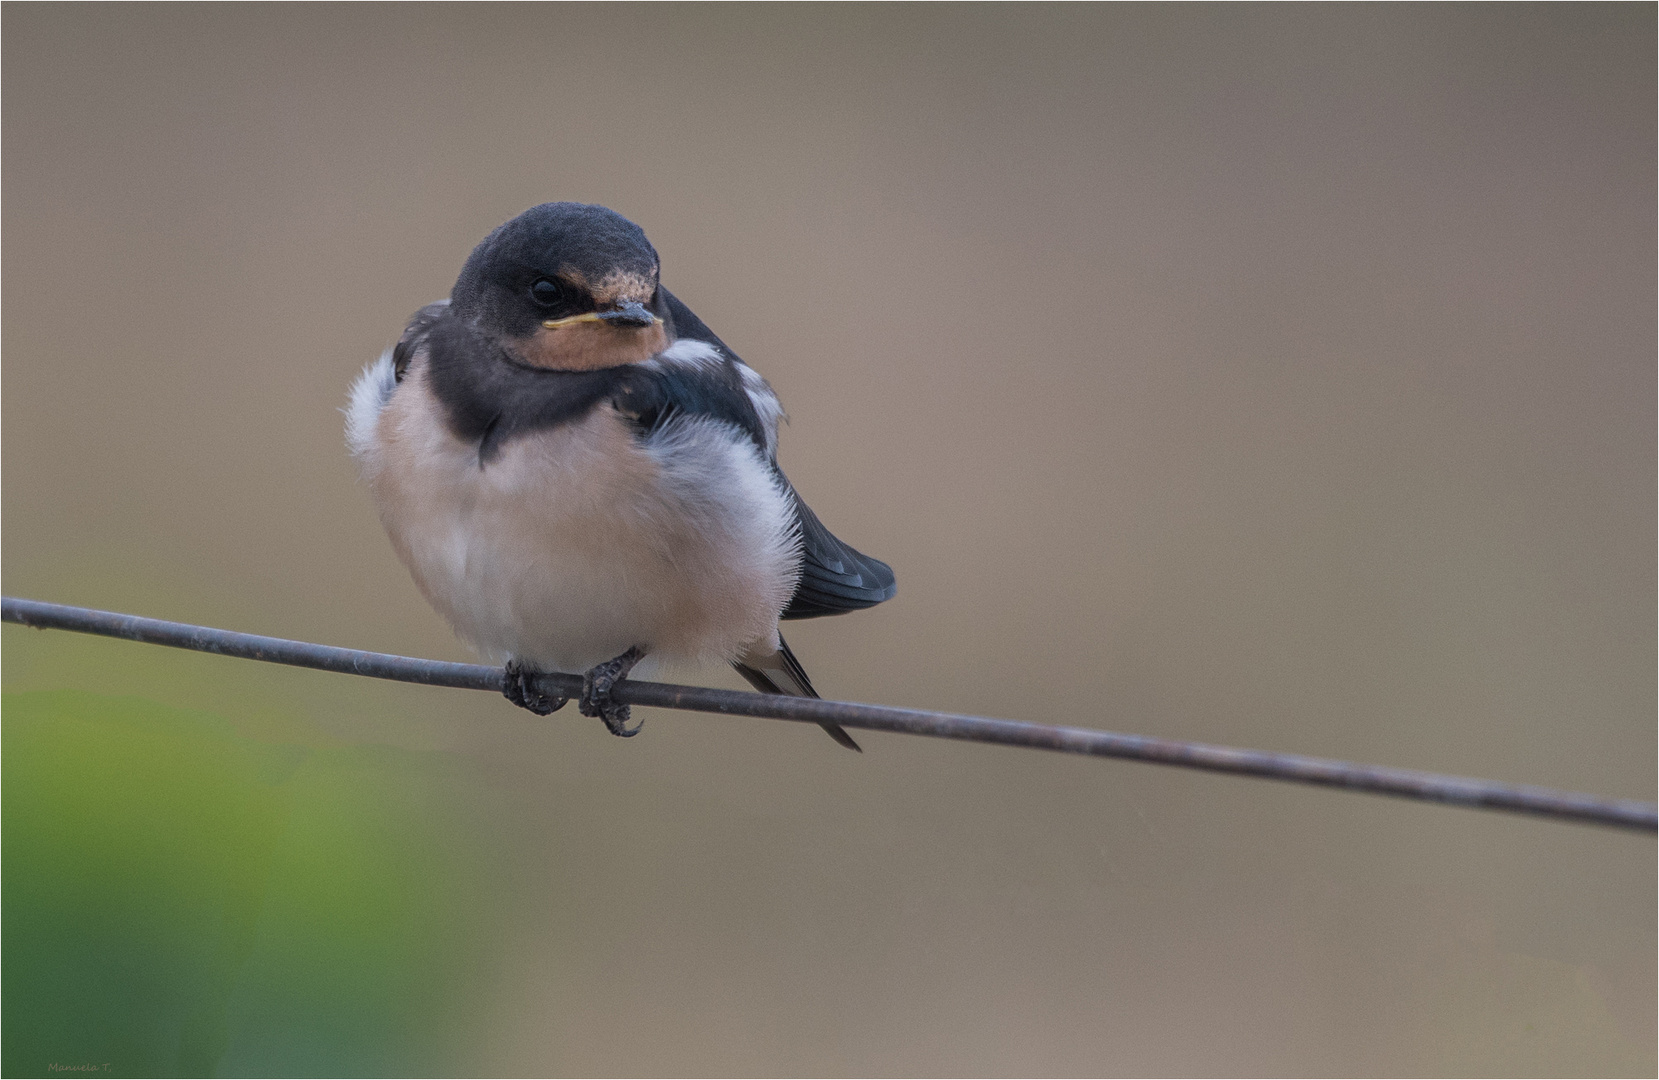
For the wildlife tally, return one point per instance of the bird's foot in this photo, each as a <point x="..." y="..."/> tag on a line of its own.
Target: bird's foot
<point x="597" y="682"/>
<point x="519" y="687"/>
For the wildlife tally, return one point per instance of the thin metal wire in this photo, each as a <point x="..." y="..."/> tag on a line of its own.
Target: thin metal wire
<point x="1325" y="772"/>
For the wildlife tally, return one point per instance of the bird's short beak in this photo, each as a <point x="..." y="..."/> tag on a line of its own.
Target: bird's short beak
<point x="629" y="313"/>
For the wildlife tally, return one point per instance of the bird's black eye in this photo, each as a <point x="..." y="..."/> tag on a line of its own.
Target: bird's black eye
<point x="546" y="293"/>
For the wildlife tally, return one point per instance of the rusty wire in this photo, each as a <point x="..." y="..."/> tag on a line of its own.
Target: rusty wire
<point x="1324" y="772"/>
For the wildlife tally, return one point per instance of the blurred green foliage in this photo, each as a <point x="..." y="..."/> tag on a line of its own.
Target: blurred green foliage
<point x="181" y="899"/>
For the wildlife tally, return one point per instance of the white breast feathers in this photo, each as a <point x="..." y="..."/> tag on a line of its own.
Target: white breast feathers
<point x="578" y="541"/>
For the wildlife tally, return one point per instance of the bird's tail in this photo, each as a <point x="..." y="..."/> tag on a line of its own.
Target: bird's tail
<point x="781" y="673"/>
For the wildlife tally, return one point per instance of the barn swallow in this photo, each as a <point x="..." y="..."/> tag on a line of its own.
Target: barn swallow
<point x="581" y="476"/>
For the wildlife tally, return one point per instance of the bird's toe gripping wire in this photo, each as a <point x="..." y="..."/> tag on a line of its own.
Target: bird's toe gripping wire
<point x="519" y="687"/>
<point x="597" y="682"/>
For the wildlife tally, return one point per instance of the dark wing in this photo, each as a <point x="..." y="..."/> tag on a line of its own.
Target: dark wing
<point x="653" y="395"/>
<point x="414" y="336"/>
<point x="686" y="324"/>
<point x="835" y="578"/>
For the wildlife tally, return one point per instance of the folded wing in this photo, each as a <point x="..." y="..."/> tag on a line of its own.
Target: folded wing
<point x="835" y="577"/>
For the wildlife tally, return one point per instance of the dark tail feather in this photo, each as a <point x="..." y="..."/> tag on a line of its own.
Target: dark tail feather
<point x="783" y="674"/>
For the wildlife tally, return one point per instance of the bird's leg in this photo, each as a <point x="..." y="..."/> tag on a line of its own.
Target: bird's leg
<point x="596" y="692"/>
<point x="519" y="687"/>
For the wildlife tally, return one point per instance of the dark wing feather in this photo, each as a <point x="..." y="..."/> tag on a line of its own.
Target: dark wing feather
<point x="414" y="336"/>
<point x="835" y="578"/>
<point x="686" y="324"/>
<point x="654" y="396"/>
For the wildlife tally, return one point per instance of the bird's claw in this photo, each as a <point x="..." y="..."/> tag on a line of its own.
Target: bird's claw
<point x="519" y="687"/>
<point x="597" y="682"/>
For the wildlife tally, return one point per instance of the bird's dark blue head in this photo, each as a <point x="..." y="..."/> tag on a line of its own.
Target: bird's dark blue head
<point x="567" y="286"/>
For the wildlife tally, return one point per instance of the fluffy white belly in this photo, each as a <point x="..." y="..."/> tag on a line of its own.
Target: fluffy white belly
<point x="573" y="544"/>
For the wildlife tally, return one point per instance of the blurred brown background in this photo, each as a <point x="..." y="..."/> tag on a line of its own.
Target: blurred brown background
<point x="1273" y="376"/>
